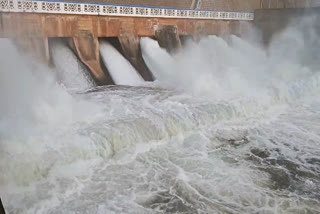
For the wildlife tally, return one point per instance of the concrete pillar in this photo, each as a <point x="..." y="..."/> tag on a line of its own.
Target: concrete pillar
<point x="198" y="36"/>
<point x="185" y="39"/>
<point x="35" y="46"/>
<point x="130" y="45"/>
<point x="87" y="48"/>
<point x="2" y="211"/>
<point x="168" y="37"/>
<point x="199" y="32"/>
<point x="1" y="26"/>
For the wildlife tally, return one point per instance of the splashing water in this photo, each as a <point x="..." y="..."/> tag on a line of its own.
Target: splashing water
<point x="228" y="127"/>
<point x="72" y="73"/>
<point x="120" y="69"/>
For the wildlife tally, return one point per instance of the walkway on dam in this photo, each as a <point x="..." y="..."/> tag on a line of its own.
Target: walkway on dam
<point x="219" y="5"/>
<point x="92" y="8"/>
<point x="199" y="8"/>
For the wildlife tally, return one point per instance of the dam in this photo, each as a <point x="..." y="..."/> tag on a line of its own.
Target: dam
<point x="159" y="106"/>
<point x="34" y="23"/>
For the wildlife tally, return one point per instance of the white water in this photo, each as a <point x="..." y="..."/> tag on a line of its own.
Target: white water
<point x="120" y="69"/>
<point x="70" y="71"/>
<point x="242" y="136"/>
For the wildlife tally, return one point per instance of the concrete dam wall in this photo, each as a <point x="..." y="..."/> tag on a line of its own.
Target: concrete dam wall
<point x="34" y="24"/>
<point x="33" y="31"/>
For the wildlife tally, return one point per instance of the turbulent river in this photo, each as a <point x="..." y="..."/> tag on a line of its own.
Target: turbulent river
<point x="228" y="127"/>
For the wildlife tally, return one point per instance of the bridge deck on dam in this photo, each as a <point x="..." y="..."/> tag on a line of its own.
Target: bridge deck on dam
<point x="91" y="8"/>
<point x="163" y="8"/>
<point x="226" y="5"/>
<point x="214" y="5"/>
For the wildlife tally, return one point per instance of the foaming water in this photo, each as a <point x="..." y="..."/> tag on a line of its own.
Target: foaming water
<point x="120" y="69"/>
<point x="72" y="74"/>
<point x="237" y="69"/>
<point x="242" y="136"/>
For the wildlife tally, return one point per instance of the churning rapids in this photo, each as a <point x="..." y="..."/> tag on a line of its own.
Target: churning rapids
<point x="228" y="127"/>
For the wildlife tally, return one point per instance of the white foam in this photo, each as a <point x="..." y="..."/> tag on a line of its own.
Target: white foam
<point x="120" y="69"/>
<point x="71" y="72"/>
<point x="237" y="69"/>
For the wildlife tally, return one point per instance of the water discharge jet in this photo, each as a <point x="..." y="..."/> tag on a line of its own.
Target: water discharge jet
<point x="72" y="73"/>
<point x="120" y="69"/>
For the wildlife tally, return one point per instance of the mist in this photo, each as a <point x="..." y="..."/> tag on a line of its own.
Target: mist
<point x="230" y="68"/>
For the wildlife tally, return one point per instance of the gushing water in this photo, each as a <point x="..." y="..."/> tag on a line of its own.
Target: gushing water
<point x="228" y="127"/>
<point x="70" y="71"/>
<point x="120" y="69"/>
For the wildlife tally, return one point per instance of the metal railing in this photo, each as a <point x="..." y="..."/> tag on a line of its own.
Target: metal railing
<point x="268" y="4"/>
<point x="77" y="8"/>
